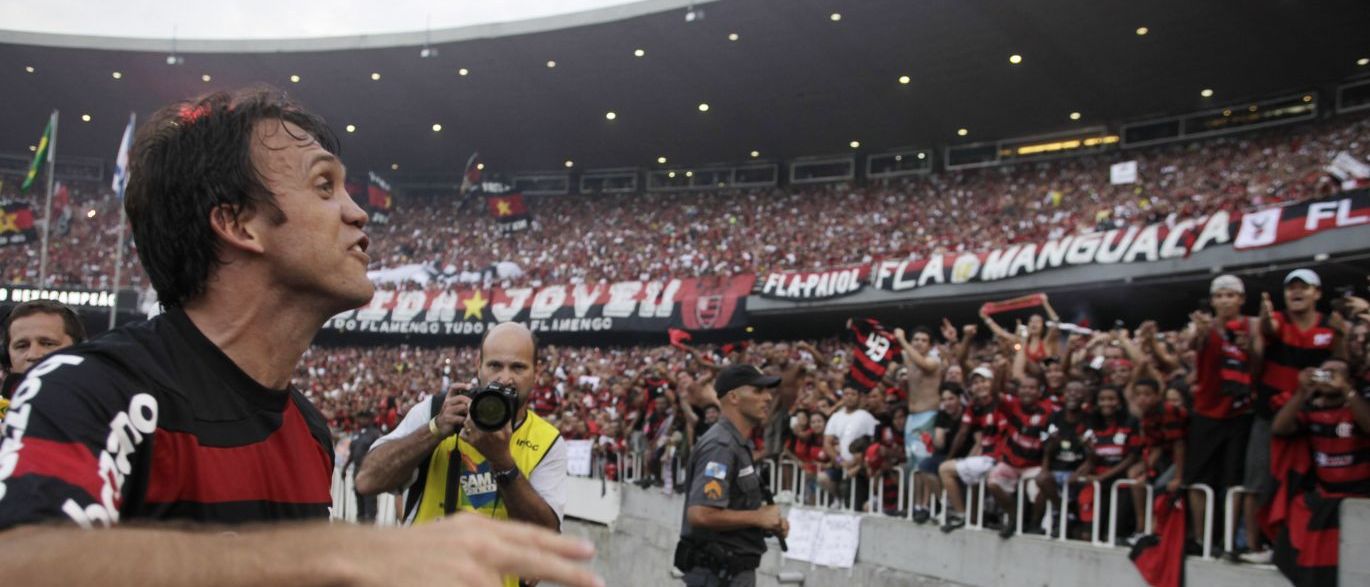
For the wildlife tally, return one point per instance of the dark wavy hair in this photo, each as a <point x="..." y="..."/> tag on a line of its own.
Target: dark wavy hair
<point x="190" y="158"/>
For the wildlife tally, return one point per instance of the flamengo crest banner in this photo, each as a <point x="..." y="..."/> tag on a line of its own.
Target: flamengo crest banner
<point x="1276" y="226"/>
<point x="631" y="306"/>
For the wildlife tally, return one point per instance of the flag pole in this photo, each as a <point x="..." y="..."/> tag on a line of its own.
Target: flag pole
<point x="47" y="206"/>
<point x="120" y="182"/>
<point x="118" y="265"/>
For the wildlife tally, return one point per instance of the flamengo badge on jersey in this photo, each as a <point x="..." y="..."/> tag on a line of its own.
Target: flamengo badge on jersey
<point x="716" y="470"/>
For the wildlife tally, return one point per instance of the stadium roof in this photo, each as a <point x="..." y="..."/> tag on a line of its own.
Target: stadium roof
<point x="802" y="77"/>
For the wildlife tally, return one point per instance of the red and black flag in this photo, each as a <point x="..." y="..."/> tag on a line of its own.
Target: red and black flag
<point x="1307" y="547"/>
<point x="875" y="348"/>
<point x="1279" y="225"/>
<point x="1160" y="556"/>
<point x="379" y="201"/>
<point x="16" y="224"/>
<point x="508" y="211"/>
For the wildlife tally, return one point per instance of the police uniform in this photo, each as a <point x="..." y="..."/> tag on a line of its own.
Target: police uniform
<point x="722" y="475"/>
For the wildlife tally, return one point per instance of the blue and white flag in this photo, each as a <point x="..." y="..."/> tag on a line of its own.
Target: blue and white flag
<point x="121" y="162"/>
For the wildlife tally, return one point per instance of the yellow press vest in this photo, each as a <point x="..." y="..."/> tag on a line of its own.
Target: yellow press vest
<point x="477" y="491"/>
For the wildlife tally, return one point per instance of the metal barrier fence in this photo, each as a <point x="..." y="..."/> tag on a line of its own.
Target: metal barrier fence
<point x="788" y="475"/>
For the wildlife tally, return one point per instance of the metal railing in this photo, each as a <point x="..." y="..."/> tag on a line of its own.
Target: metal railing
<point x="1230" y="519"/>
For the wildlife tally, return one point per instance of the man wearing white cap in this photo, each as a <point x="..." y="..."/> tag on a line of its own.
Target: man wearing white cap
<point x="1220" y="423"/>
<point x="1292" y="340"/>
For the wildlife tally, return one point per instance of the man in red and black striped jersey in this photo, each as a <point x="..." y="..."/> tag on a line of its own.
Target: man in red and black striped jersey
<point x="1162" y="430"/>
<point x="251" y="241"/>
<point x="1329" y="420"/>
<point x="1220" y="423"/>
<point x="1023" y="425"/>
<point x="1294" y="339"/>
<point x="980" y="427"/>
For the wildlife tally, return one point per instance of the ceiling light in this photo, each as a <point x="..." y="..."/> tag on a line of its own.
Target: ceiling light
<point x="703" y="107"/>
<point x="961" y="132"/>
<point x="294" y="79"/>
<point x="569" y="164"/>
<point x="1252" y="108"/>
<point x="734" y="37"/>
<point x="375" y="77"/>
<point x="639" y="53"/>
<point x="28" y="68"/>
<point x="671" y="175"/>
<point x="480" y="166"/>
<point x="922" y="155"/>
<point x="428" y="53"/>
<point x="90" y="213"/>
<point x="85" y="118"/>
<point x="1207" y="93"/>
<point x="394" y="167"/>
<point x="33" y="148"/>
<point x="351" y="128"/>
<point x="551" y="64"/>
<point x="610" y="115"/>
<point x="115" y="75"/>
<point x="1363" y="61"/>
<point x="174" y="59"/>
<point x="689" y="174"/>
<point x="904" y="79"/>
<point x="1142" y="31"/>
<point x="1308" y="98"/>
<point x="855" y="144"/>
<point x="1074" y="115"/>
<point x="437" y="127"/>
<point x="206" y="78"/>
<point x="661" y="160"/>
<point x="1015" y="59"/>
<point x="1227" y="112"/>
<point x="836" y="16"/>
<point x="756" y="154"/>
<point x="463" y="72"/>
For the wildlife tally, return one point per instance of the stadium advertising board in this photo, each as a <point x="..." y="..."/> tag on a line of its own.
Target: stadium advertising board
<point x="1134" y="244"/>
<point x="76" y="298"/>
<point x="629" y="306"/>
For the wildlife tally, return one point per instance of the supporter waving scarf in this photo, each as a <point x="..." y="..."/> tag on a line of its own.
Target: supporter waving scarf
<point x="1160" y="556"/>
<point x="875" y="350"/>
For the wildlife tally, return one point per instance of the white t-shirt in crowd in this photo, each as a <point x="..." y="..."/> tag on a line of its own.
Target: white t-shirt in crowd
<point x="849" y="426"/>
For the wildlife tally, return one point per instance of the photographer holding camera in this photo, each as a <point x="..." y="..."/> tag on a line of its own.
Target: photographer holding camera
<point x="510" y="464"/>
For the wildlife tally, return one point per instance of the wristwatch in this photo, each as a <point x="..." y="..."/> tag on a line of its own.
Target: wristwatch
<point x="506" y="475"/>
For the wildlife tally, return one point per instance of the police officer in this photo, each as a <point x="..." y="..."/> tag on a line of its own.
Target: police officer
<point x="722" y="537"/>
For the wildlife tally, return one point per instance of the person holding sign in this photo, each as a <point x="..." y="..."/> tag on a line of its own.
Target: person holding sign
<point x="726" y="517"/>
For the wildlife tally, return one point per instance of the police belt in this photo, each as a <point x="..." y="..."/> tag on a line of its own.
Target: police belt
<point x="710" y="555"/>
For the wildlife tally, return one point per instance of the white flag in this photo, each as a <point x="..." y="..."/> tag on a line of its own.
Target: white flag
<point x="1125" y="172"/>
<point x="121" y="162"/>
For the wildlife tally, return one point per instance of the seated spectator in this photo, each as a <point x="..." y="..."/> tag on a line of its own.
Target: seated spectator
<point x="928" y="484"/>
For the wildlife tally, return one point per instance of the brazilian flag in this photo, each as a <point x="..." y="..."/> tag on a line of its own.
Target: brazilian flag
<point x="39" y="158"/>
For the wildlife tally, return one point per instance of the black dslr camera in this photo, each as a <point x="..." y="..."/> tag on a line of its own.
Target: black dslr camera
<point x="493" y="406"/>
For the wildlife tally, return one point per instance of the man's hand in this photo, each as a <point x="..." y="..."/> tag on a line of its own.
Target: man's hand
<point x="969" y="330"/>
<point x="770" y="520"/>
<point x="1267" y="306"/>
<point x="948" y="331"/>
<point x="899" y="335"/>
<point x="475" y="550"/>
<point x="494" y="446"/>
<point x="454" y="410"/>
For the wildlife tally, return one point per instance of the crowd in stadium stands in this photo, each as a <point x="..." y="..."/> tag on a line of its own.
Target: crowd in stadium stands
<point x="662" y="235"/>
<point x="84" y="238"/>
<point x="964" y="404"/>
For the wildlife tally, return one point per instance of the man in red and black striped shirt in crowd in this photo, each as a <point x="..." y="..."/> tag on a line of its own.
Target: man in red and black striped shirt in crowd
<point x="1297" y="338"/>
<point x="979" y="424"/>
<point x="238" y="205"/>
<point x="1023" y="425"/>
<point x="1221" y="420"/>
<point x="1162" y="432"/>
<point x="1330" y="420"/>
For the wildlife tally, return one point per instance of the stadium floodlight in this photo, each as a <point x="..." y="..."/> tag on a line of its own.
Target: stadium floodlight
<point x="428" y="53"/>
<point x="693" y="14"/>
<point x="174" y="59"/>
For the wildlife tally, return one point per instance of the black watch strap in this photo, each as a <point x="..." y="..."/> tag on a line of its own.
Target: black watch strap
<point x="506" y="475"/>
